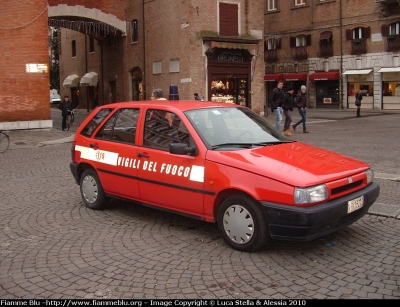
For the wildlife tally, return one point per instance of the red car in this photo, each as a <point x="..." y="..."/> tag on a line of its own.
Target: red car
<point x="218" y="163"/>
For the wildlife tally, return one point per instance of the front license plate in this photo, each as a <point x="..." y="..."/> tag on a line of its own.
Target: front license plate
<point x="353" y="205"/>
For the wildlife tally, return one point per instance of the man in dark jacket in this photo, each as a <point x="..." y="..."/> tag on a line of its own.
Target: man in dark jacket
<point x="65" y="106"/>
<point x="276" y="103"/>
<point x="287" y="110"/>
<point x="301" y="102"/>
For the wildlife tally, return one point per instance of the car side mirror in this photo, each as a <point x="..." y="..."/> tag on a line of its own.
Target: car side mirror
<point x="182" y="149"/>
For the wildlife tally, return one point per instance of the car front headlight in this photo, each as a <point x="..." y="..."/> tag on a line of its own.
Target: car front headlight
<point x="370" y="175"/>
<point x="311" y="194"/>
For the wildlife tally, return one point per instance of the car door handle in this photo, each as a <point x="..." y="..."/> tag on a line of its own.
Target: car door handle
<point x="139" y="154"/>
<point x="94" y="146"/>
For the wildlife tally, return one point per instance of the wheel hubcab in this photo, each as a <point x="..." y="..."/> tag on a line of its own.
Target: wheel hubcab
<point x="238" y="224"/>
<point x="90" y="190"/>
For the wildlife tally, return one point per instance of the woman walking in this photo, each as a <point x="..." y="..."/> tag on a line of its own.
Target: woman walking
<point x="301" y="101"/>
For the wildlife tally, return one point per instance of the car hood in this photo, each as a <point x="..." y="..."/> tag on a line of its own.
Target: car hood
<point x="294" y="163"/>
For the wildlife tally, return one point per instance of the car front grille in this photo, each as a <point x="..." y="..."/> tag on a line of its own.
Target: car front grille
<point x="346" y="187"/>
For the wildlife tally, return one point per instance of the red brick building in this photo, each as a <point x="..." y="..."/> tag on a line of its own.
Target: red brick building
<point x="24" y="85"/>
<point x="335" y="47"/>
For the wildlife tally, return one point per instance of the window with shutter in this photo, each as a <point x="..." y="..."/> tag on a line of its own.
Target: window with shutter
<point x="299" y="2"/>
<point x="394" y="29"/>
<point x="228" y="19"/>
<point x="271" y="5"/>
<point x="73" y="47"/>
<point x="135" y="32"/>
<point x="301" y="41"/>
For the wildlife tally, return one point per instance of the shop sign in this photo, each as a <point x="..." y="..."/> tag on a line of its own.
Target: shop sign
<point x="230" y="55"/>
<point x="359" y="78"/>
<point x="391" y="76"/>
<point x="327" y="100"/>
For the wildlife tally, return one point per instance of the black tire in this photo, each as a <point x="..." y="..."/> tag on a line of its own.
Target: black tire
<point x="237" y="210"/>
<point x="91" y="190"/>
<point x="4" y="142"/>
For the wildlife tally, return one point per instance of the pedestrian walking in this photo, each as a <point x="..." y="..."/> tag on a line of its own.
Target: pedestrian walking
<point x="287" y="110"/>
<point x="65" y="106"/>
<point x="359" y="97"/>
<point x="301" y="102"/>
<point x="276" y="103"/>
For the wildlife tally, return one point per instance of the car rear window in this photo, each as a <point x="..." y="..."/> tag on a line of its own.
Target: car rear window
<point x="95" y="122"/>
<point x="120" y="127"/>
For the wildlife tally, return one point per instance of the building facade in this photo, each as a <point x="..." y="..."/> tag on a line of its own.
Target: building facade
<point x="335" y="47"/>
<point x="213" y="48"/>
<point x="231" y="51"/>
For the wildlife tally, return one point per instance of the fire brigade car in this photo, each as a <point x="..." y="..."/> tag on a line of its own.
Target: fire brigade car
<point x="219" y="163"/>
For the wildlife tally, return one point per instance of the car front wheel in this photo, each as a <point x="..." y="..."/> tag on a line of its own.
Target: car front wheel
<point x="243" y="224"/>
<point x="91" y="190"/>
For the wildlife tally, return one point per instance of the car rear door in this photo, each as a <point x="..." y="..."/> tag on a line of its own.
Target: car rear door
<point x="116" y="153"/>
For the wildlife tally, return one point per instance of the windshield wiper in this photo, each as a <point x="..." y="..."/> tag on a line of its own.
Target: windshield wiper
<point x="272" y="143"/>
<point x="238" y="145"/>
<point x="249" y="145"/>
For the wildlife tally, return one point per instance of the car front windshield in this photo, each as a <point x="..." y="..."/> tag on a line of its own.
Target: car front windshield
<point x="232" y="127"/>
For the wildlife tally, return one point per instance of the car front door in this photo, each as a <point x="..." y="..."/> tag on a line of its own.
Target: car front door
<point x="169" y="180"/>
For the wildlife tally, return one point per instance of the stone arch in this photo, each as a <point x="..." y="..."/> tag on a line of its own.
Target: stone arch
<point x="88" y="14"/>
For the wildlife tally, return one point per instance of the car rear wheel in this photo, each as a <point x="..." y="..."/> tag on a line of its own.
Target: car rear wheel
<point x="91" y="190"/>
<point x="243" y="224"/>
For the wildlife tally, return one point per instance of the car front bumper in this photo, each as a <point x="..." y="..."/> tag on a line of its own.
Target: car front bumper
<point x="309" y="223"/>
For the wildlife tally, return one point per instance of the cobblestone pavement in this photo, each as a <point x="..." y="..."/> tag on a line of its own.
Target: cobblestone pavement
<point x="52" y="246"/>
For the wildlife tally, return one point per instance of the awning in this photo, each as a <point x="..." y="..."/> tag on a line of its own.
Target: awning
<point x="357" y="72"/>
<point x="233" y="45"/>
<point x="300" y="76"/>
<point x="333" y="75"/>
<point x="71" y="81"/>
<point x="273" y="77"/>
<point x="389" y="69"/>
<point x="89" y="79"/>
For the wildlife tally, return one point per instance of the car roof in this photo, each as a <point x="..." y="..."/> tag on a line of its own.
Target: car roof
<point x="182" y="105"/>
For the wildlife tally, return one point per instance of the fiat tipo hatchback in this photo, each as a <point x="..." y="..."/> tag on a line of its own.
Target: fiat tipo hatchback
<point x="219" y="163"/>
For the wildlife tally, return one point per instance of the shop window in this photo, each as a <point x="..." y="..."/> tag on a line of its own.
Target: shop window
<point x="271" y="5"/>
<point x="135" y="32"/>
<point x="73" y="46"/>
<point x="91" y="44"/>
<point x="358" y="37"/>
<point x="326" y="44"/>
<point x="228" y="19"/>
<point x="392" y="32"/>
<point x="300" y="44"/>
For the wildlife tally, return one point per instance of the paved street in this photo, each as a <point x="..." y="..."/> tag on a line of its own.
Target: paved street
<point x="52" y="246"/>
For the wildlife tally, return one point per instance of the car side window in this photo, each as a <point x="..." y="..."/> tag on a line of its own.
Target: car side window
<point x="95" y="122"/>
<point x="162" y="128"/>
<point x="121" y="127"/>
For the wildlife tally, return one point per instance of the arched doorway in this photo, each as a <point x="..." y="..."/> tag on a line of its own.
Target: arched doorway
<point x="137" y="84"/>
